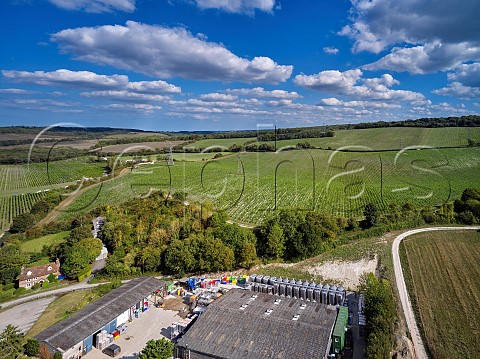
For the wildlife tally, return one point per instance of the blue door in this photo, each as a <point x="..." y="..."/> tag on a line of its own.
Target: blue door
<point x="112" y="326"/>
<point x="88" y="344"/>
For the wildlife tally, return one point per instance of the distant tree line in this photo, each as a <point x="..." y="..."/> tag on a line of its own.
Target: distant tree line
<point x="14" y="156"/>
<point x="463" y="121"/>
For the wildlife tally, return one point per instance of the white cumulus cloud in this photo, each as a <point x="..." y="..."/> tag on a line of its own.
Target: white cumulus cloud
<point x="456" y="89"/>
<point x="166" y="52"/>
<point x="346" y="83"/>
<point x="96" y="6"/>
<point x="467" y="74"/>
<point x="237" y="6"/>
<point x="89" y="80"/>
<point x="330" y="50"/>
<point x="261" y="92"/>
<point x="124" y="96"/>
<point x="434" y="36"/>
<point x="215" y="96"/>
<point x="427" y="58"/>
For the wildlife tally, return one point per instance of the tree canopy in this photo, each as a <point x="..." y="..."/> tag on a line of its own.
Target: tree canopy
<point x="157" y="349"/>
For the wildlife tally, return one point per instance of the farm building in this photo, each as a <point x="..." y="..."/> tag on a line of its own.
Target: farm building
<point x="28" y="277"/>
<point x="76" y="335"/>
<point x="246" y="324"/>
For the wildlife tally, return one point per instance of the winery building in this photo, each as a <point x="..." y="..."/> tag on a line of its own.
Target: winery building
<point x="250" y="325"/>
<point x="75" y="336"/>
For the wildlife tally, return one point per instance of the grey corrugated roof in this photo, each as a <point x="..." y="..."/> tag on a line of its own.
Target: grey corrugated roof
<point x="226" y="331"/>
<point x="96" y="315"/>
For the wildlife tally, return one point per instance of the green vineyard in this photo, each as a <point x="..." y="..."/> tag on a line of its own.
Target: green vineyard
<point x="21" y="186"/>
<point x="250" y="186"/>
<point x="14" y="205"/>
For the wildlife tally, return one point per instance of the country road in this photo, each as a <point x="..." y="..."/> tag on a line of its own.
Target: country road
<point x="418" y="345"/>
<point x="54" y="292"/>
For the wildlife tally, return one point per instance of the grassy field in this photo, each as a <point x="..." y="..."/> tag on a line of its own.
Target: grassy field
<point x="392" y="138"/>
<point x="326" y="181"/>
<point x="59" y="309"/>
<point x="36" y="245"/>
<point x="133" y="147"/>
<point x="196" y="157"/>
<point x="69" y="304"/>
<point x="444" y="279"/>
<point x="221" y="142"/>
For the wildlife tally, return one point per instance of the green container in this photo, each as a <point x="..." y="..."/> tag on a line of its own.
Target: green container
<point x="338" y="336"/>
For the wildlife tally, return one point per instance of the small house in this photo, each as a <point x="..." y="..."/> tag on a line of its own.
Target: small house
<point x="30" y="276"/>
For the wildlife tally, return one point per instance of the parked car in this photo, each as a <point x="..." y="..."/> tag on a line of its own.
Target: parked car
<point x="112" y="350"/>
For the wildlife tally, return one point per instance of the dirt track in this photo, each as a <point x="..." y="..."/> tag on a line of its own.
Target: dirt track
<point x="418" y="345"/>
<point x="53" y="214"/>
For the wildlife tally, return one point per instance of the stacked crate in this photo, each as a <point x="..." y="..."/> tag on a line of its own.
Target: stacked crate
<point x="103" y="340"/>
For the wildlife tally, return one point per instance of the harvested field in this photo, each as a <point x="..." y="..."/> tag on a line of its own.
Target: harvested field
<point x="443" y="274"/>
<point x="78" y="144"/>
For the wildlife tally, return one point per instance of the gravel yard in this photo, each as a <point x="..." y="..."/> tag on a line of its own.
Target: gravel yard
<point x="153" y="324"/>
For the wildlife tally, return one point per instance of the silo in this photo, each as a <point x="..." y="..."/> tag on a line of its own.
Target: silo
<point x="252" y="287"/>
<point x="258" y="278"/>
<point x="310" y="296"/>
<point x="265" y="279"/>
<point x="292" y="281"/>
<point x="303" y="293"/>
<point x="255" y="287"/>
<point x="331" y="295"/>
<point x="269" y="289"/>
<point x="264" y="288"/>
<point x="281" y="290"/>
<point x="306" y="284"/>
<point x="299" y="282"/>
<point x="272" y="280"/>
<point x="286" y="280"/>
<point x="340" y="295"/>
<point x="317" y="295"/>
<point x="325" y="289"/>
<point x="296" y="292"/>
<point x="251" y="279"/>
<point x="275" y="288"/>
<point x="289" y="291"/>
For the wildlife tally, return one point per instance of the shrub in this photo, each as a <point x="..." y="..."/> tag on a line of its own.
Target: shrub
<point x="31" y="347"/>
<point x="84" y="275"/>
<point x="20" y="291"/>
<point x="35" y="286"/>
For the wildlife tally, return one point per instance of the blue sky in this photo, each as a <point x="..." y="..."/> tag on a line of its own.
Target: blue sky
<point x="236" y="64"/>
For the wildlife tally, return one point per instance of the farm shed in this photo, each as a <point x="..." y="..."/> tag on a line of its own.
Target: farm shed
<point x="244" y="324"/>
<point x="75" y="336"/>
